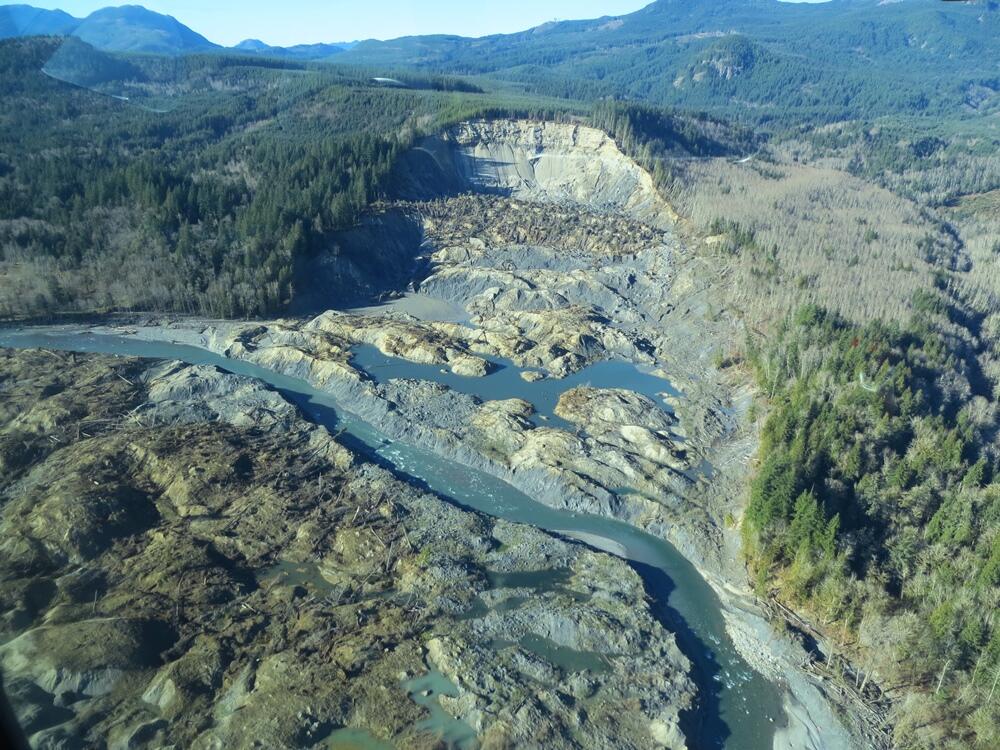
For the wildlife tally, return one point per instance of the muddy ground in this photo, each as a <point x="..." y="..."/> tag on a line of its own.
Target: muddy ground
<point x="186" y="561"/>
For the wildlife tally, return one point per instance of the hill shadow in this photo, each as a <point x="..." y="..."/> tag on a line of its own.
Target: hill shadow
<point x="702" y="725"/>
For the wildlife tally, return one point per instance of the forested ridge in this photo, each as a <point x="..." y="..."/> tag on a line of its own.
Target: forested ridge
<point x="876" y="506"/>
<point x="874" y="503"/>
<point x="204" y="191"/>
<point x="760" y="62"/>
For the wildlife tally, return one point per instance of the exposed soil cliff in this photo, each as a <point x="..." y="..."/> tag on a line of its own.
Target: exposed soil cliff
<point x="541" y="162"/>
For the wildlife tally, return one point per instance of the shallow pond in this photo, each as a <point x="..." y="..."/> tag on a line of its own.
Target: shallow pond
<point x="306" y="575"/>
<point x="505" y="381"/>
<point x="425" y="690"/>
<point x="740" y="709"/>
<point x="353" y="739"/>
<point x="563" y="657"/>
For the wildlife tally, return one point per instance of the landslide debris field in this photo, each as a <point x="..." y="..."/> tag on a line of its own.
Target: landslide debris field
<point x="559" y="253"/>
<point x="556" y="252"/>
<point x="186" y="561"/>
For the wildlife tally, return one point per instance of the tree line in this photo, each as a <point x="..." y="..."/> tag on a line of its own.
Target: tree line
<point x="876" y="507"/>
<point x="209" y="204"/>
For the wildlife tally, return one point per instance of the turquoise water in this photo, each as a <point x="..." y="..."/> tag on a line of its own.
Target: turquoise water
<point x="740" y="709"/>
<point x="505" y="381"/>
<point x="353" y="739"/>
<point x="451" y="732"/>
<point x="529" y="579"/>
<point x="567" y="659"/>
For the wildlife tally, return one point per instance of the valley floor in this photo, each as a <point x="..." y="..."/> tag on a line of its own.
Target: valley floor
<point x="293" y="567"/>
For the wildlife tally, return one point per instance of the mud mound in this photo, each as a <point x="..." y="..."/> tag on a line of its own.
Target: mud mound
<point x="197" y="566"/>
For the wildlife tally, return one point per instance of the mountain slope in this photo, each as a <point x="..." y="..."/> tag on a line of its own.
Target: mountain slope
<point x="844" y="58"/>
<point x="24" y="20"/>
<point x="132" y="28"/>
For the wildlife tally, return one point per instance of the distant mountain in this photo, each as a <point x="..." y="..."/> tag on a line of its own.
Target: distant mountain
<point x="132" y="28"/>
<point x="253" y="45"/>
<point x="315" y="52"/>
<point x="24" y="20"/>
<point x="757" y="58"/>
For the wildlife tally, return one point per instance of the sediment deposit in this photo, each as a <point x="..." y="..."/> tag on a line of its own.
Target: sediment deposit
<point x="187" y="561"/>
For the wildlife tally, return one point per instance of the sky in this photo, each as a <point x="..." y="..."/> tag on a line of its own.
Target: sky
<point x="287" y="22"/>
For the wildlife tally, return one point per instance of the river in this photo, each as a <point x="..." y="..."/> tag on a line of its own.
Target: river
<point x="738" y="708"/>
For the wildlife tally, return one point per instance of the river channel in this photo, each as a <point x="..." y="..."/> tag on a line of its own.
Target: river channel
<point x="738" y="707"/>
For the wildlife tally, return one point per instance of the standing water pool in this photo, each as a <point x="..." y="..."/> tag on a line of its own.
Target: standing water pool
<point x="504" y="380"/>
